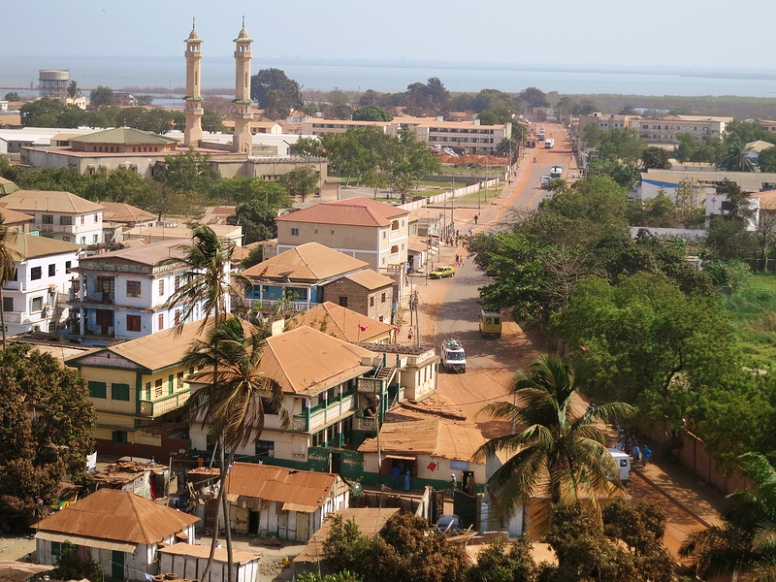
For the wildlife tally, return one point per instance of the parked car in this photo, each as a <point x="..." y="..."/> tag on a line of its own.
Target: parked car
<point x="442" y="272"/>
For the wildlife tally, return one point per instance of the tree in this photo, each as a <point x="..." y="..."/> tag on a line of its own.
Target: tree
<point x="743" y="544"/>
<point x="238" y="396"/>
<point x="736" y="158"/>
<point x="502" y="562"/>
<point x="372" y="113"/>
<point x="189" y="172"/>
<point x="7" y="265"/>
<point x="645" y="342"/>
<point x="101" y="96"/>
<point x="12" y="96"/>
<point x="72" y="90"/>
<point x="206" y="284"/>
<point x="71" y="566"/>
<point x="42" y="113"/>
<point x="47" y="430"/>
<point x="255" y="256"/>
<point x="557" y="451"/>
<point x="301" y="181"/>
<point x="655" y="157"/>
<point x="534" y="97"/>
<point x="275" y="93"/>
<point x="766" y="161"/>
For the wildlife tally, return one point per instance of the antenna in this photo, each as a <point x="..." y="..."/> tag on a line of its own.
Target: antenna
<point x="243" y="21"/>
<point x="193" y="23"/>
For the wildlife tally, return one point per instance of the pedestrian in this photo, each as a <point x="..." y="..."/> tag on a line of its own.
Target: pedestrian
<point x="646" y="455"/>
<point x="407" y="476"/>
<point x="476" y="217"/>
<point x="409" y="334"/>
<point x="471" y="231"/>
<point x="636" y="453"/>
<point x="395" y="474"/>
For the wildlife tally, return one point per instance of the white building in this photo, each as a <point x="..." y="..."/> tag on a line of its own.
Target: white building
<point x="122" y="294"/>
<point x="60" y="215"/>
<point x="36" y="298"/>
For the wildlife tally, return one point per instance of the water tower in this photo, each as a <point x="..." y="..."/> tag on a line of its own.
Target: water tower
<point x="53" y="83"/>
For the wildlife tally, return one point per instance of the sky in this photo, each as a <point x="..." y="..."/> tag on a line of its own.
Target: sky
<point x="709" y="34"/>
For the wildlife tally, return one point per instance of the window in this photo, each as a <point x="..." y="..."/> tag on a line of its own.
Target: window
<point x="180" y="380"/>
<point x="177" y="317"/>
<point x="343" y="301"/>
<point x="133" y="323"/>
<point x="161" y="321"/>
<point x="98" y="390"/>
<point x="52" y="270"/>
<point x="170" y="384"/>
<point x="66" y="220"/>
<point x="103" y="285"/>
<point x="95" y="238"/>
<point x="36" y="304"/>
<point x="133" y="288"/>
<point x="96" y="218"/>
<point x="83" y="220"/>
<point x="119" y="436"/>
<point x="161" y="287"/>
<point x="158" y="388"/>
<point x="66" y="238"/>
<point x="294" y="232"/>
<point x="265" y="448"/>
<point x="371" y="301"/>
<point x="382" y="298"/>
<point x="68" y="265"/>
<point x="177" y="282"/>
<point x="35" y="273"/>
<point x="7" y="303"/>
<point x="119" y="392"/>
<point x="47" y="219"/>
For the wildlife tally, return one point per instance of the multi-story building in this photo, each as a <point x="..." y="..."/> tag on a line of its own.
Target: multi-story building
<point x="605" y="122"/>
<point x="366" y="292"/>
<point x="666" y="129"/>
<point x="60" y="215"/>
<point x="136" y="384"/>
<point x="362" y="228"/>
<point x="36" y="298"/>
<point x="468" y="137"/>
<point x="122" y="294"/>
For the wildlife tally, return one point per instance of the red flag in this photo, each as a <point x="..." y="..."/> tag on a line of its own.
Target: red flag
<point x="361" y="327"/>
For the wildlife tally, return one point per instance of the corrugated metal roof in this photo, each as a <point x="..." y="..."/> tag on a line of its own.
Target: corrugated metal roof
<point x="20" y="572"/>
<point x="342" y="323"/>
<point x="370" y="279"/>
<point x="370" y="521"/>
<point x="435" y="436"/>
<point x="307" y="361"/>
<point x="114" y="515"/>
<point x="61" y="538"/>
<point x="48" y="201"/>
<point x="197" y="551"/>
<point x="25" y="246"/>
<point x="308" y="262"/>
<point x="123" y="136"/>
<point x="357" y="211"/>
<point x="150" y="254"/>
<point x="305" y="491"/>
<point x="121" y="212"/>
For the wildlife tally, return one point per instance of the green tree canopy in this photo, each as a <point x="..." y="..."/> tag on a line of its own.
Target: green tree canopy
<point x="372" y="113"/>
<point x="275" y="93"/>
<point x="655" y="157"/>
<point x="40" y="449"/>
<point x="100" y="96"/>
<point x="302" y="181"/>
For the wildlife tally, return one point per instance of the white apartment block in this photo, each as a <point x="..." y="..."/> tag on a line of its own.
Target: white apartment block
<point x="59" y="215"/>
<point x="122" y="294"/>
<point x="666" y="129"/>
<point x="36" y="298"/>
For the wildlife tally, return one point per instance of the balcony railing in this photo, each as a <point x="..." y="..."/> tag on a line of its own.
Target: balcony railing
<point x="100" y="297"/>
<point x="369" y="385"/>
<point x="365" y="424"/>
<point x="12" y="317"/>
<point x="322" y="415"/>
<point x="270" y="303"/>
<point x="156" y="408"/>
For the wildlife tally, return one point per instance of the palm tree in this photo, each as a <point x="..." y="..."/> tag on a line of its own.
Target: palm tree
<point x="735" y="158"/>
<point x="559" y="453"/>
<point x="236" y="399"/>
<point x="7" y="264"/>
<point x="745" y="544"/>
<point x="208" y="260"/>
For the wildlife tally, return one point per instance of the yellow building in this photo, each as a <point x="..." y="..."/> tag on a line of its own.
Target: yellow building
<point x="137" y="385"/>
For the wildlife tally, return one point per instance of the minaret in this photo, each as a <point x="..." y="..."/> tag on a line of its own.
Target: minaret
<point x="192" y="133"/>
<point x="242" y="141"/>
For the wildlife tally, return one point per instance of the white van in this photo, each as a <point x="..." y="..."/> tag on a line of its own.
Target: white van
<point x="556" y="172"/>
<point x="549" y="143"/>
<point x="545" y="181"/>
<point x="623" y="462"/>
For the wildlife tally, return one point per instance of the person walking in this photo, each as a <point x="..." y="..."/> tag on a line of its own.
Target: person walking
<point x="636" y="453"/>
<point x="646" y="455"/>
<point x="409" y="334"/>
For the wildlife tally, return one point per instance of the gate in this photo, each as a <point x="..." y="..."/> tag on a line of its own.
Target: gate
<point x="465" y="507"/>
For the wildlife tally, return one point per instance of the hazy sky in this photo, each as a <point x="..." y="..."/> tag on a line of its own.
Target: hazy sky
<point x="678" y="33"/>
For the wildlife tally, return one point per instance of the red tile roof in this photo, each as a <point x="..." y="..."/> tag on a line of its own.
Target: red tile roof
<point x="350" y="212"/>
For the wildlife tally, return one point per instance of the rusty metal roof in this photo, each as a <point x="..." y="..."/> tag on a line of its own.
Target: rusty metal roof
<point x="342" y="323"/>
<point x="370" y="520"/>
<point x="20" y="572"/>
<point x="307" y="361"/>
<point x="304" y="491"/>
<point x="369" y="279"/>
<point x="437" y="437"/>
<point x="307" y="262"/>
<point x="357" y="211"/>
<point x="110" y="514"/>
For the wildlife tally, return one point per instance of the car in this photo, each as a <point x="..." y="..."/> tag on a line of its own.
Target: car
<point x="449" y="524"/>
<point x="442" y="272"/>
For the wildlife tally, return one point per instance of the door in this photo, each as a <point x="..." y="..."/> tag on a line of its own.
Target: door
<point x="302" y="526"/>
<point x="336" y="463"/>
<point x="253" y="522"/>
<point x="117" y="566"/>
<point x="104" y="319"/>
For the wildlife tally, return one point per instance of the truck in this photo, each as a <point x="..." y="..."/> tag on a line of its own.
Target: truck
<point x="549" y="143"/>
<point x="490" y="322"/>
<point x="546" y="182"/>
<point x="623" y="462"/>
<point x="453" y="355"/>
<point x="556" y="172"/>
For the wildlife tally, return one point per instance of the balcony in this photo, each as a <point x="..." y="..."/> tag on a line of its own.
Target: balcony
<point x="365" y="424"/>
<point x="320" y="416"/>
<point x="100" y="297"/>
<point x="12" y="317"/>
<point x="370" y="385"/>
<point x="266" y="304"/>
<point x="156" y="408"/>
